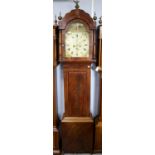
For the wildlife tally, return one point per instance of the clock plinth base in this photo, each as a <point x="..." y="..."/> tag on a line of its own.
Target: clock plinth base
<point x="56" y="150"/>
<point x="77" y="133"/>
<point x="98" y="137"/>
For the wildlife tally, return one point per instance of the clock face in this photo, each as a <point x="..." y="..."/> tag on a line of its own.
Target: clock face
<point x="77" y="41"/>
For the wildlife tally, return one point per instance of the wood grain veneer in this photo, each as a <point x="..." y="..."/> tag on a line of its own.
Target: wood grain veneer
<point x="98" y="120"/>
<point x="56" y="150"/>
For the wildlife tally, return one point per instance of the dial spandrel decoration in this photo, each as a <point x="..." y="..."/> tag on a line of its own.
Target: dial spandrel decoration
<point x="77" y="41"/>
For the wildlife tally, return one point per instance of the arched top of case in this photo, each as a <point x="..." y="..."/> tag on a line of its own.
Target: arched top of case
<point x="77" y="14"/>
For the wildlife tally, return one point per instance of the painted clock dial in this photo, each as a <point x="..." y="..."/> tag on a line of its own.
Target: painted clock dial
<point x="76" y="41"/>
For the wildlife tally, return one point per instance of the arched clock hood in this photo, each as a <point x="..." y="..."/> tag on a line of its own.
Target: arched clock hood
<point x="77" y="14"/>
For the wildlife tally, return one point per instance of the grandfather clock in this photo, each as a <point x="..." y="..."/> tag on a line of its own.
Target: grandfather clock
<point x="98" y="120"/>
<point x="56" y="150"/>
<point x="77" y="51"/>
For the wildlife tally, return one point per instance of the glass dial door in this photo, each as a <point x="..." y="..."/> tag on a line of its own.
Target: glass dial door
<point x="77" y="41"/>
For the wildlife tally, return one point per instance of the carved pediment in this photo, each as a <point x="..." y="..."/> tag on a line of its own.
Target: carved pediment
<point x="77" y="14"/>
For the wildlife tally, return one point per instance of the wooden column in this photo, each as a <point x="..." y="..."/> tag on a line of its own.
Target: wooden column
<point x="98" y="121"/>
<point x="56" y="150"/>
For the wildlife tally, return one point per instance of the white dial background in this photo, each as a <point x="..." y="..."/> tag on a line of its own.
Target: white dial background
<point x="77" y="41"/>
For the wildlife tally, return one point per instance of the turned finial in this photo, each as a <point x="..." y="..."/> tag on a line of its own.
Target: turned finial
<point x="100" y="20"/>
<point x="60" y="17"/>
<point x="55" y="21"/>
<point x="94" y="17"/>
<point x="76" y="4"/>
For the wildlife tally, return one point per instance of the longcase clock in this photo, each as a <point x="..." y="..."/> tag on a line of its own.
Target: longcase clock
<point x="77" y="51"/>
<point x="56" y="150"/>
<point x="98" y="120"/>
